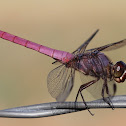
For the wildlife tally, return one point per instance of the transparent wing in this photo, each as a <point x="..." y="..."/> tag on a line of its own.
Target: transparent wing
<point x="111" y="46"/>
<point x="60" y="82"/>
<point x="81" y="49"/>
<point x="96" y="89"/>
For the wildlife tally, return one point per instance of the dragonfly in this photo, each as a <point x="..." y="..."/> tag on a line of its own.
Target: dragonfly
<point x="92" y="62"/>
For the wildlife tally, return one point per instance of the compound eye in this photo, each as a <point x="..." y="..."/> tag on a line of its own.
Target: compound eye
<point x="119" y="69"/>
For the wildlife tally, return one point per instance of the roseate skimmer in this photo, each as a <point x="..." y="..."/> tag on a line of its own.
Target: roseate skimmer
<point x="90" y="62"/>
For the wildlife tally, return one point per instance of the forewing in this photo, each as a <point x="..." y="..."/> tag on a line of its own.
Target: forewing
<point x="60" y="82"/>
<point x="96" y="89"/>
<point x="112" y="46"/>
<point x="81" y="49"/>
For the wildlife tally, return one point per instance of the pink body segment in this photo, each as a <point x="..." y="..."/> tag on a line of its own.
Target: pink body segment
<point x="56" y="54"/>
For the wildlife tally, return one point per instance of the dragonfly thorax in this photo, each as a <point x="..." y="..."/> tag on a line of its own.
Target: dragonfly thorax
<point x="97" y="65"/>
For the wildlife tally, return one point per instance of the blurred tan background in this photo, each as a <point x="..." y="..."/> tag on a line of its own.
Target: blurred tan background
<point x="63" y="25"/>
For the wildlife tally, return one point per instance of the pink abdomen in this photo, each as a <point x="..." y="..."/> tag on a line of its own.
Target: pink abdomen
<point x="56" y="54"/>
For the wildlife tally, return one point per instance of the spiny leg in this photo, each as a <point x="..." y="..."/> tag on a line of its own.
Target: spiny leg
<point x="79" y="91"/>
<point x="82" y="87"/>
<point x="105" y="99"/>
<point x="114" y="89"/>
<point x="107" y="91"/>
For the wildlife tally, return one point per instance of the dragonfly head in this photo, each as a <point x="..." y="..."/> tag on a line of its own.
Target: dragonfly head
<point x="119" y="71"/>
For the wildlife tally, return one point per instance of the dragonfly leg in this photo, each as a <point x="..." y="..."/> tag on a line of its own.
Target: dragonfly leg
<point x="107" y="91"/>
<point x="107" y="100"/>
<point x="82" y="87"/>
<point x="114" y="89"/>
